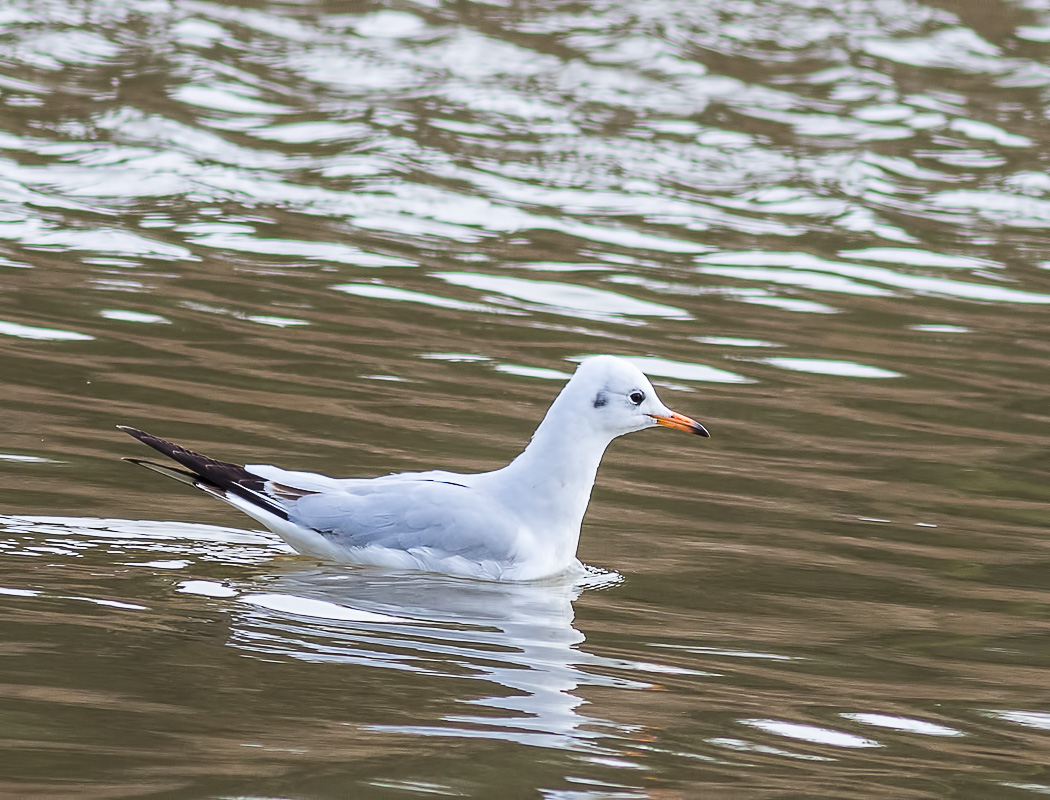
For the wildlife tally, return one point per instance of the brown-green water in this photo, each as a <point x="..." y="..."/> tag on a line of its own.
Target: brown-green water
<point x="360" y="238"/>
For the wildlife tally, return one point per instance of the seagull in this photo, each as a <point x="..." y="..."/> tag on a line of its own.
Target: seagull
<point x="518" y="523"/>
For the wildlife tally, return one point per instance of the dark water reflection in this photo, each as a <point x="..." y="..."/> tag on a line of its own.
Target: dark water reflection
<point x="360" y="238"/>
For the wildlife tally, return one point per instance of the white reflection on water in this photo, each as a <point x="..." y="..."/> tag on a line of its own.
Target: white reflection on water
<point x="1000" y="207"/>
<point x="48" y="334"/>
<point x="311" y="251"/>
<point x="1030" y="719"/>
<point x="206" y="588"/>
<point x="788" y="304"/>
<point x="734" y="341"/>
<point x="953" y="48"/>
<point x="51" y="50"/>
<point x="466" y="358"/>
<point x="380" y="292"/>
<point x="228" y="98"/>
<point x="825" y="366"/>
<point x="904" y="724"/>
<point x="260" y="319"/>
<point x="939" y="328"/>
<point x="565" y="298"/>
<point x="513" y="644"/>
<point x="317" y="609"/>
<point x="30" y="535"/>
<point x="533" y="372"/>
<point x="680" y="370"/>
<point x="509" y="650"/>
<point x="914" y="257"/>
<point x="121" y="315"/>
<point x="46" y="236"/>
<point x="809" y="280"/>
<point x="751" y="747"/>
<point x="752" y="264"/>
<point x="810" y="733"/>
<point x="1039" y="788"/>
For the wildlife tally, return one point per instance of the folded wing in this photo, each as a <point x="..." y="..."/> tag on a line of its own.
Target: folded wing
<point x="432" y="514"/>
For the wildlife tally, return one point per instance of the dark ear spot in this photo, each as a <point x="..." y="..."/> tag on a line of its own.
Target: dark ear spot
<point x="600" y="400"/>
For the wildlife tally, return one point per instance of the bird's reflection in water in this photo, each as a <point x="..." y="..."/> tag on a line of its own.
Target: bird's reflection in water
<point x="514" y="644"/>
<point x="517" y="638"/>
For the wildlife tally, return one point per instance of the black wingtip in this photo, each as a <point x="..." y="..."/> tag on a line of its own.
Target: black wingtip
<point x="181" y="475"/>
<point x="187" y="458"/>
<point x="208" y="474"/>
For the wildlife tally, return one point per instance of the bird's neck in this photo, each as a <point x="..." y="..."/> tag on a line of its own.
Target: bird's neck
<point x="549" y="484"/>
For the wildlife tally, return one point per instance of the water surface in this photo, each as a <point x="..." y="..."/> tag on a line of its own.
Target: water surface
<point x="360" y="238"/>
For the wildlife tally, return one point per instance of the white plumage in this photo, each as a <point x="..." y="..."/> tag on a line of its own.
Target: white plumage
<point x="518" y="523"/>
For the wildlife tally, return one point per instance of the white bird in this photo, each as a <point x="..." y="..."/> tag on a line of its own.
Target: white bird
<point x="518" y="523"/>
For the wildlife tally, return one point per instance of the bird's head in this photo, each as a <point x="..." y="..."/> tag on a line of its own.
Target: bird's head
<point x="613" y="396"/>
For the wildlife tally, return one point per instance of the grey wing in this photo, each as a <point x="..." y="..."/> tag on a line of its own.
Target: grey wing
<point x="402" y="515"/>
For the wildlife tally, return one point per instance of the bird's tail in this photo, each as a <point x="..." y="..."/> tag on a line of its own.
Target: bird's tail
<point x="226" y="481"/>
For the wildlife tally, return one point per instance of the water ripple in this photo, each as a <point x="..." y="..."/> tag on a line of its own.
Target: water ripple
<point x="370" y="239"/>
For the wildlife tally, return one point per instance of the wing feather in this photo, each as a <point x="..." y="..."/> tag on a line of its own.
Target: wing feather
<point x="446" y="518"/>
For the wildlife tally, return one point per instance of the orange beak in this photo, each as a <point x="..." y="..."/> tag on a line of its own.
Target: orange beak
<point x="680" y="422"/>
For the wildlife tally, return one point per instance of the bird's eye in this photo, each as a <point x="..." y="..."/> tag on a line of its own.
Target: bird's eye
<point x="636" y="397"/>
